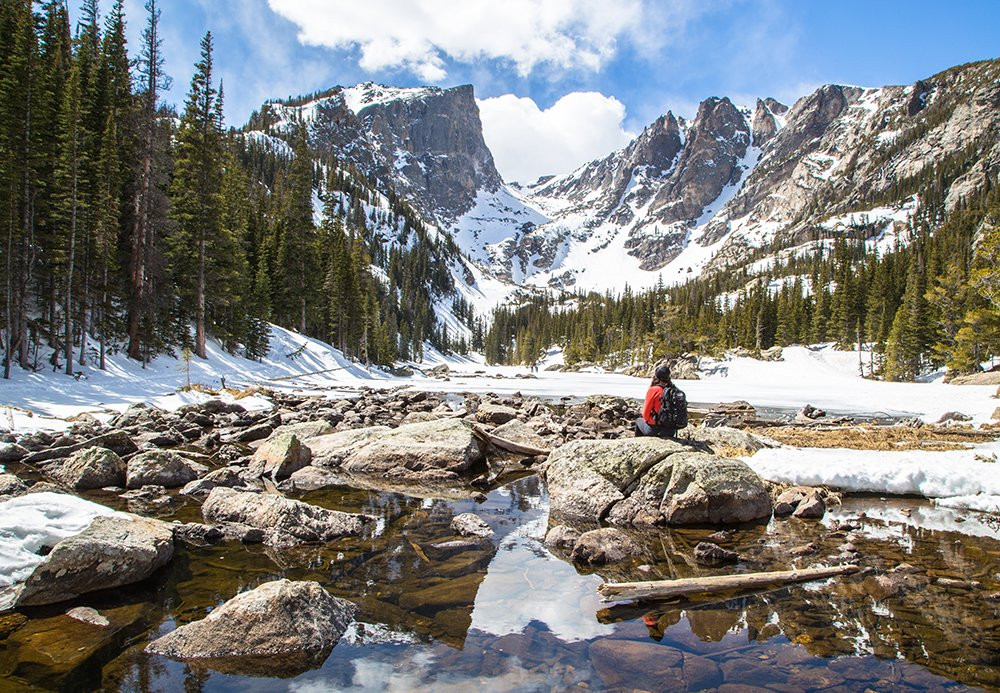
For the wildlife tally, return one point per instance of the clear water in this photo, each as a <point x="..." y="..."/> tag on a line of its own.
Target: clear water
<point x="513" y="616"/>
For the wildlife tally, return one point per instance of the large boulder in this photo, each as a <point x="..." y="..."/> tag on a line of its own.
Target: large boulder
<point x="161" y="468"/>
<point x="93" y="468"/>
<point x="279" y="457"/>
<point x="652" y="481"/>
<point x="284" y="521"/>
<point x="114" y="550"/>
<point x="277" y="619"/>
<point x="413" y="450"/>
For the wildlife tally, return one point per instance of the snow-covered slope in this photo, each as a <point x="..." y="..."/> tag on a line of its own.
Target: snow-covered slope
<point x="685" y="196"/>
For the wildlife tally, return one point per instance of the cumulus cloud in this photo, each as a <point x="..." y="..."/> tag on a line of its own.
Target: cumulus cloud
<point x="421" y="35"/>
<point x="528" y="142"/>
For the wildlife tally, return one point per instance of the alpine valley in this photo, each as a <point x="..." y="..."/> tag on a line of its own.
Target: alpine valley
<point x="686" y="197"/>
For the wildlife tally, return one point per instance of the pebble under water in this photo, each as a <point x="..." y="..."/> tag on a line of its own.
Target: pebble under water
<point x="510" y="615"/>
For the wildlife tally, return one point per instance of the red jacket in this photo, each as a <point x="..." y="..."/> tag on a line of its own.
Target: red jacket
<point x="654" y="400"/>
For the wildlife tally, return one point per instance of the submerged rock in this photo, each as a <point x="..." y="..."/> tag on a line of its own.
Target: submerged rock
<point x="277" y="618"/>
<point x="114" y="550"/>
<point x="413" y="450"/>
<point x="284" y="521"/>
<point x="653" y="482"/>
<point x="605" y="545"/>
<point x="470" y="525"/>
<point x="88" y="615"/>
<point x="708" y="553"/>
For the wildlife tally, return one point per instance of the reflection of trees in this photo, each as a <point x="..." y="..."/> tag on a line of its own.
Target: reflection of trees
<point x="891" y="614"/>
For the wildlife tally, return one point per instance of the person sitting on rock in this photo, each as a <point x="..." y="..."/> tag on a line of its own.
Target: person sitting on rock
<point x="665" y="408"/>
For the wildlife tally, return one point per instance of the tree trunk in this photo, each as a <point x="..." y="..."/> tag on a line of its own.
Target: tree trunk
<point x="84" y="307"/>
<point x="8" y="307"/>
<point x="137" y="256"/>
<point x="68" y="307"/>
<point x="199" y="335"/>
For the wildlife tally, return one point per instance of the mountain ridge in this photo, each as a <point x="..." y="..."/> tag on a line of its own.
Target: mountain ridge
<point x="684" y="196"/>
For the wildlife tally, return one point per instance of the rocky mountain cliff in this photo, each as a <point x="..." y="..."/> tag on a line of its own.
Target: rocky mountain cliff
<point x="427" y="142"/>
<point x="685" y="196"/>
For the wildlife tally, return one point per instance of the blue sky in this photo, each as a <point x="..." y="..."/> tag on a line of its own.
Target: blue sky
<point x="625" y="62"/>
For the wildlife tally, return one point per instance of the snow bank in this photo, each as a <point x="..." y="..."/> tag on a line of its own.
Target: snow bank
<point x="954" y="477"/>
<point x="828" y="378"/>
<point x="30" y="522"/>
<point x="44" y="399"/>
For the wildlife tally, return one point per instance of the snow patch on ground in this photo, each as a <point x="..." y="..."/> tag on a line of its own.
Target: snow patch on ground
<point x="955" y="476"/>
<point x="30" y="522"/>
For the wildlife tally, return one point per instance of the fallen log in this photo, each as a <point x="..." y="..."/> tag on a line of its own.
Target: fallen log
<point x="508" y="445"/>
<point x="664" y="589"/>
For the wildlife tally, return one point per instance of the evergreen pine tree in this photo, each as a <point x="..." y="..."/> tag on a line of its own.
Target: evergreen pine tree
<point x="196" y="196"/>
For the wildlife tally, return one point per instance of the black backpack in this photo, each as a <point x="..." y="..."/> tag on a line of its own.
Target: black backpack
<point x="673" y="411"/>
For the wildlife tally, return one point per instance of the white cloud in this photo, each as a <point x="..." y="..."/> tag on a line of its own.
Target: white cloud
<point x="419" y="35"/>
<point x="528" y="142"/>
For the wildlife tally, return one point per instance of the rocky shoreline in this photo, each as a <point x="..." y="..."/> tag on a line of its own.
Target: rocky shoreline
<point x="242" y="467"/>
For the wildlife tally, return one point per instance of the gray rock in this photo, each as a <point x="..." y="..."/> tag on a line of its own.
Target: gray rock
<point x="562" y="538"/>
<point x="212" y="406"/>
<point x="230" y="477"/>
<point x="279" y="457"/>
<point x="198" y="534"/>
<point x="310" y="478"/>
<point x="773" y="354"/>
<point x="114" y="550"/>
<point x="163" y="468"/>
<point x="88" y="615"/>
<point x="495" y="413"/>
<point x="10" y="485"/>
<point x="812" y="508"/>
<point x="708" y="553"/>
<point x="12" y="452"/>
<point x="93" y="468"/>
<point x="722" y="439"/>
<point x="412" y="450"/>
<point x="956" y="416"/>
<point x="116" y="441"/>
<point x="705" y="489"/>
<point x="285" y="521"/>
<point x="605" y="545"/>
<point x="304" y="430"/>
<point x="277" y="618"/>
<point x="248" y="435"/>
<point x="652" y="481"/>
<point x="520" y="432"/>
<point x="470" y="525"/>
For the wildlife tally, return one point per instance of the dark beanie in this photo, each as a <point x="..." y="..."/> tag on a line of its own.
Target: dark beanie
<point x="663" y="373"/>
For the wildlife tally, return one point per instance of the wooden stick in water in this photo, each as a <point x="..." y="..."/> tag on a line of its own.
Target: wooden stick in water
<point x="664" y="589"/>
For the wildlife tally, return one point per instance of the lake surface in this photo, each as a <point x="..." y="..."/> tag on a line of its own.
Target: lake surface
<point x="510" y="615"/>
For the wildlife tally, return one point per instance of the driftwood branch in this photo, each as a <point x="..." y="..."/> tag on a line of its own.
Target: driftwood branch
<point x="303" y="375"/>
<point x="664" y="589"/>
<point x="508" y="445"/>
